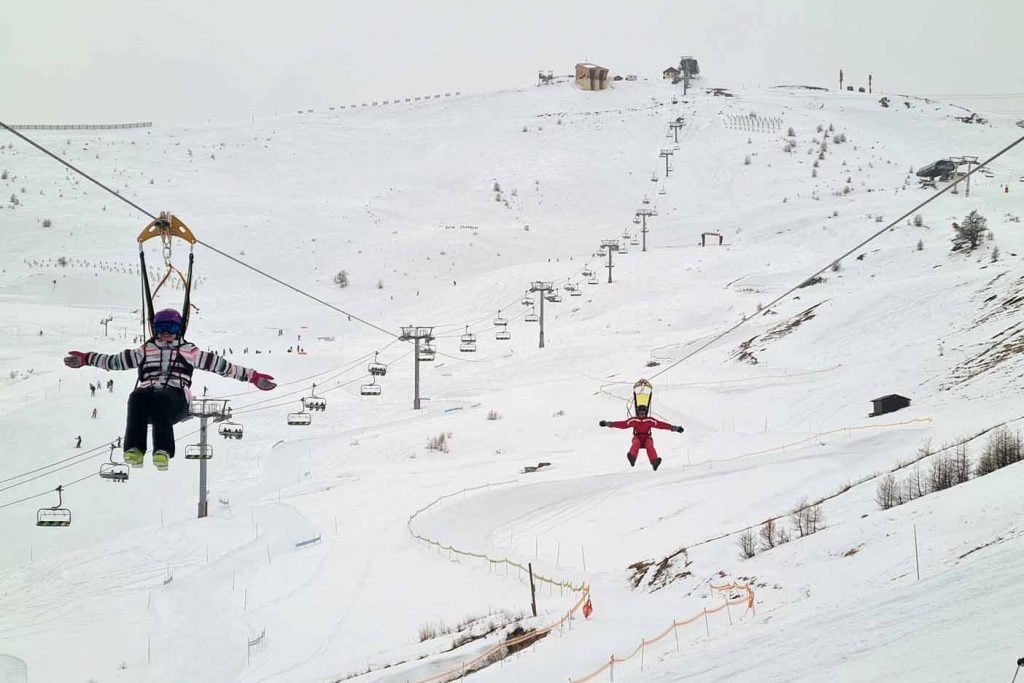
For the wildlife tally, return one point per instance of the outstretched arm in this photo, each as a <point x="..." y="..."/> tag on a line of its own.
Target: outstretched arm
<point x="658" y="424"/>
<point x="211" y="362"/>
<point x="129" y="359"/>
<point x="618" y="424"/>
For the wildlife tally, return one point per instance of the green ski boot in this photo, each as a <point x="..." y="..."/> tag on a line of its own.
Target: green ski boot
<point x="161" y="460"/>
<point x="133" y="457"/>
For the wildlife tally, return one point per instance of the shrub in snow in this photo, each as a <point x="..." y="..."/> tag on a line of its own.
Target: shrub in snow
<point x="493" y="415"/>
<point x="995" y="254"/>
<point x="341" y="279"/>
<point x="497" y="187"/>
<point x="918" y="220"/>
<point x="807" y="519"/>
<point x="748" y="544"/>
<point x="814" y="173"/>
<point x="948" y="470"/>
<point x="3" y="176"/>
<point x="920" y="245"/>
<point x="819" y="128"/>
<point x="47" y="223"/>
<point x="836" y="267"/>
<point x="1003" y="448"/>
<point x="886" y="494"/>
<point x="380" y="284"/>
<point x="771" y="534"/>
<point x="791" y="133"/>
<point x="967" y="236"/>
<point x="438" y="443"/>
<point x="746" y="160"/>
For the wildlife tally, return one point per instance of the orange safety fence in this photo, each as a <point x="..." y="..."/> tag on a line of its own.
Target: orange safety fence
<point x="581" y="588"/>
<point x="640" y="649"/>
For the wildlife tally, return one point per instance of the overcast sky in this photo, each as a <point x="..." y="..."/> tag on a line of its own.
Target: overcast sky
<point x="186" y="61"/>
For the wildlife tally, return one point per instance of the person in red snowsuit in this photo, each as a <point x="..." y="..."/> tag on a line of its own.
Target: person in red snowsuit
<point x="642" y="426"/>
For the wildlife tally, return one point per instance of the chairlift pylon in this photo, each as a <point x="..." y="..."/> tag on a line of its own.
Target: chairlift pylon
<point x="58" y="515"/>
<point x="114" y="471"/>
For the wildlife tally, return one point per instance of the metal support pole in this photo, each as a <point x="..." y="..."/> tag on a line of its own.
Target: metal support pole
<point x="203" y="505"/>
<point x="643" y="231"/>
<point x="416" y="374"/>
<point x="542" y="319"/>
<point x="609" y="265"/>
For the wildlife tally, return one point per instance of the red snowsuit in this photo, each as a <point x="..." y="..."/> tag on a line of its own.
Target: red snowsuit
<point x="642" y="438"/>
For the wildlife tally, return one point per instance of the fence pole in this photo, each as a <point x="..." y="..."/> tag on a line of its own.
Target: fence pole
<point x="707" y="626"/>
<point x="917" y="561"/>
<point x="611" y="667"/>
<point x="728" y="610"/>
<point x="675" y="632"/>
<point x="533" y="593"/>
<point x="643" y="648"/>
<point x="583" y="554"/>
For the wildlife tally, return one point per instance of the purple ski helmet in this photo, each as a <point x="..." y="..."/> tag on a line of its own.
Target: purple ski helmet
<point x="168" y="315"/>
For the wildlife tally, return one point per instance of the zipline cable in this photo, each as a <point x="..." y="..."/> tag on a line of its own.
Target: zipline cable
<point x="891" y="225"/>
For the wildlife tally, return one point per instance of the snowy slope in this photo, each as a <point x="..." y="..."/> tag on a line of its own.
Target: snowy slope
<point x="405" y="197"/>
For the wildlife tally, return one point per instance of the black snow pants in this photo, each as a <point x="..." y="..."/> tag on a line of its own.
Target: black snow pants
<point x="160" y="406"/>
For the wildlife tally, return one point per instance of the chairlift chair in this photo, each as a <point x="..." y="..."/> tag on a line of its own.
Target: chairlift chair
<point x="467" y="343"/>
<point x="230" y="430"/>
<point x="427" y="352"/>
<point x="623" y="249"/>
<point x="58" y="515"/>
<point x="301" y="418"/>
<point x="576" y="292"/>
<point x="314" y="402"/>
<point x="371" y="389"/>
<point x="593" y="280"/>
<point x="499" y="321"/>
<point x="114" y="471"/>
<point x="531" y="317"/>
<point x="635" y="241"/>
<point x="503" y="334"/>
<point x="198" y="451"/>
<point x="587" y="272"/>
<point x="526" y="300"/>
<point x="375" y="368"/>
<point x="636" y="220"/>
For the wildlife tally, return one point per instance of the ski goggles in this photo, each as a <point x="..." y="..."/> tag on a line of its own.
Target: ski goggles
<point x="167" y="327"/>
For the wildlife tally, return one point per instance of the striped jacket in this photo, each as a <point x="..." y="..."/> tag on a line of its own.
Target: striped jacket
<point x="169" y="363"/>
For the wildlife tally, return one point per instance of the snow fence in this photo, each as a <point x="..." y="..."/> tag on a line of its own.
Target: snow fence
<point x="486" y="657"/>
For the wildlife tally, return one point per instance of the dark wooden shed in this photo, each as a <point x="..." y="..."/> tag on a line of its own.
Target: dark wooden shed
<point x="888" y="404"/>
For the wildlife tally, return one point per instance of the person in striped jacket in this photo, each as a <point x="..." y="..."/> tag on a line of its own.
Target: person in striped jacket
<point x="162" y="396"/>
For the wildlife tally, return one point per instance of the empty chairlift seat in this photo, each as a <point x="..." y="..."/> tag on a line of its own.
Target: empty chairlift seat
<point x="198" y="451"/>
<point x="467" y="343"/>
<point x="58" y="515"/>
<point x="372" y="389"/>
<point x="502" y="334"/>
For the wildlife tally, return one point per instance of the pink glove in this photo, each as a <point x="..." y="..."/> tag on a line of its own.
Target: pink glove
<point x="76" y="359"/>
<point x="263" y="382"/>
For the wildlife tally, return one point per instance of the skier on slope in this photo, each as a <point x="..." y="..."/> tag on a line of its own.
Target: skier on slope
<point x="642" y="426"/>
<point x="162" y="397"/>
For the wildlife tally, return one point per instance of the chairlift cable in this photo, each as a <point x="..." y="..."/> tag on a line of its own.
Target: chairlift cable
<point x="877" y="234"/>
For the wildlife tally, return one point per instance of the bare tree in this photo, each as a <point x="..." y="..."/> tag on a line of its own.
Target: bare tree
<point x="748" y="544"/>
<point x="886" y="493"/>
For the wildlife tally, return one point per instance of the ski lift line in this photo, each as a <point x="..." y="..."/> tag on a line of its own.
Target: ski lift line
<point x="77" y="170"/>
<point x="49" y="491"/>
<point x="861" y="244"/>
<point x="85" y="455"/>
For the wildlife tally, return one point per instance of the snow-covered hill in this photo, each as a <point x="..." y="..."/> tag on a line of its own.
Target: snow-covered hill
<point x="442" y="214"/>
